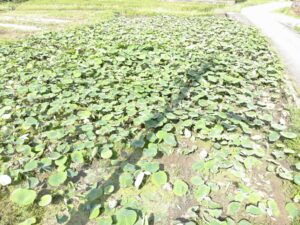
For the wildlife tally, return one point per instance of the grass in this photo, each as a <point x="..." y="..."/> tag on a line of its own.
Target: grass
<point x="18" y="213"/>
<point x="294" y="144"/>
<point x="289" y="12"/>
<point x="133" y="7"/>
<point x="65" y="8"/>
<point x="242" y="4"/>
<point x="80" y="12"/>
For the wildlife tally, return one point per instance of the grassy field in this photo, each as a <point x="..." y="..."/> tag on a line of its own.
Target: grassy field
<point x="89" y="12"/>
<point x="79" y="12"/>
<point x="288" y="11"/>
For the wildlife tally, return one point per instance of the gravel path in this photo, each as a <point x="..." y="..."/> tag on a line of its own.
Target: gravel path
<point x="279" y="29"/>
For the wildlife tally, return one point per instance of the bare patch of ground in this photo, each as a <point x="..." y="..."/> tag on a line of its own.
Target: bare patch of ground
<point x="20" y="27"/>
<point x="35" y="19"/>
<point x="179" y="165"/>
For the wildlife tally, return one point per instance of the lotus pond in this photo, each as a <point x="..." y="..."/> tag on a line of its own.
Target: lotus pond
<point x="159" y="120"/>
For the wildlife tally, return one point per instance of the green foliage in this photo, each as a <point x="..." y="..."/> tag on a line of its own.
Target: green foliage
<point x="126" y="217"/>
<point x="23" y="197"/>
<point x="292" y="210"/>
<point x="45" y="200"/>
<point x="159" y="178"/>
<point x="180" y="188"/>
<point x="68" y="98"/>
<point x="57" y="178"/>
<point x="12" y="213"/>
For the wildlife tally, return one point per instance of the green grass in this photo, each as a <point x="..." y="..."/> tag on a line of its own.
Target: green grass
<point x="93" y="11"/>
<point x="294" y="144"/>
<point x="289" y="12"/>
<point x="124" y="7"/>
<point x="17" y="213"/>
<point x="80" y="12"/>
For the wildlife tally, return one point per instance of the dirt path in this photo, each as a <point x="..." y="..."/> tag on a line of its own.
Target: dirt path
<point x="279" y="29"/>
<point x="33" y="19"/>
<point x="19" y="27"/>
<point x="28" y="23"/>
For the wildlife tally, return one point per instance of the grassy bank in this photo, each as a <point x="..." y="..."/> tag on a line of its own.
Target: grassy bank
<point x="78" y="12"/>
<point x="289" y="12"/>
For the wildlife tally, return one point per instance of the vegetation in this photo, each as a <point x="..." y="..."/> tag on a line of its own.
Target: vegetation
<point x="294" y="190"/>
<point x="289" y="11"/>
<point x="78" y="12"/>
<point x="186" y="111"/>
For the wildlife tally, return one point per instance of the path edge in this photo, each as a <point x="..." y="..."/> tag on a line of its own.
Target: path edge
<point x="287" y="78"/>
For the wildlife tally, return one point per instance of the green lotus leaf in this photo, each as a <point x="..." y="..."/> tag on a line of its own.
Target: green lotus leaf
<point x="201" y="192"/>
<point x="233" y="208"/>
<point x="168" y="138"/>
<point x="297" y="179"/>
<point x="106" y="153"/>
<point x="196" y="180"/>
<point x="138" y="143"/>
<point x="214" y="212"/>
<point x="159" y="178"/>
<point x="95" y="212"/>
<point x="273" y="136"/>
<point x="23" y="197"/>
<point x="180" y="188"/>
<point x="109" y="189"/>
<point x="126" y="217"/>
<point x="254" y="210"/>
<point x="247" y="143"/>
<point x="151" y="151"/>
<point x="151" y="167"/>
<point x="216" y="131"/>
<point x="29" y="221"/>
<point x="77" y="157"/>
<point x="278" y="127"/>
<point x="105" y="221"/>
<point x="30" y="121"/>
<point x="297" y="165"/>
<point x="57" y="178"/>
<point x="94" y="194"/>
<point x="254" y="197"/>
<point x="45" y="200"/>
<point x="55" y="134"/>
<point x="292" y="210"/>
<point x="126" y="180"/>
<point x="244" y="222"/>
<point x="32" y="165"/>
<point x="272" y="205"/>
<point x="84" y="114"/>
<point x="288" y="135"/>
